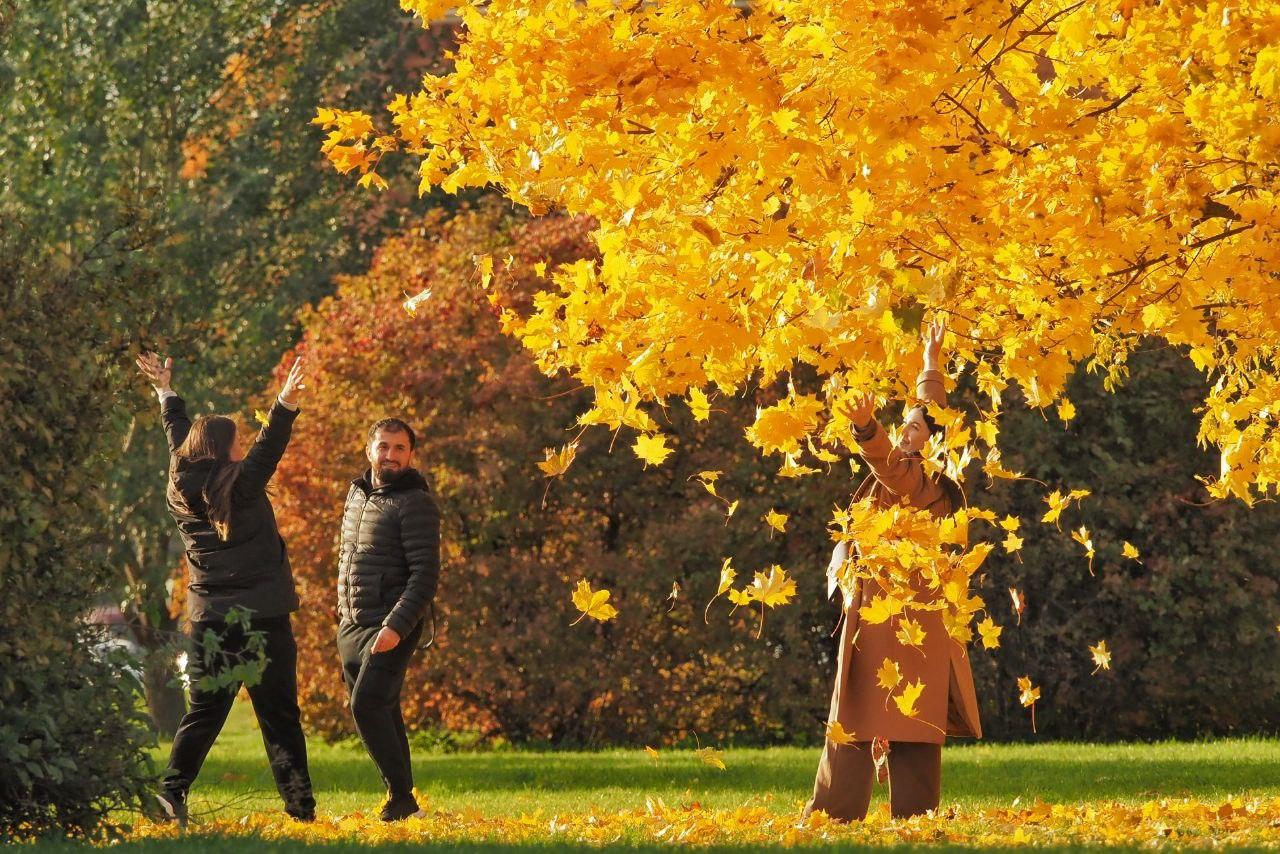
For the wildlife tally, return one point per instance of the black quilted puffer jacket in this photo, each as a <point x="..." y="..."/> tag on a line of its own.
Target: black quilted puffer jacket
<point x="389" y="561"/>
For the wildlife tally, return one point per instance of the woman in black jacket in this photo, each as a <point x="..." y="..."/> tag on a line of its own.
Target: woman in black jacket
<point x="237" y="560"/>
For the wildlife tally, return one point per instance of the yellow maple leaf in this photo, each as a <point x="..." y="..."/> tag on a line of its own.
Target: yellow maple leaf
<point x="727" y="575"/>
<point x="910" y="633"/>
<point x="710" y="756"/>
<point x="699" y="405"/>
<point x="906" y="701"/>
<point x="558" y="462"/>
<point x="593" y="604"/>
<point x="880" y="608"/>
<point x="1101" y="656"/>
<point x="373" y="179"/>
<point x="1010" y="523"/>
<point x="772" y="587"/>
<point x="889" y="674"/>
<point x="261" y="417"/>
<point x="990" y="633"/>
<point x="651" y="753"/>
<point x="652" y="449"/>
<point x="1027" y="693"/>
<point x="777" y="521"/>
<point x="1066" y="410"/>
<point x="1012" y="543"/>
<point x="1130" y="551"/>
<point x="836" y="734"/>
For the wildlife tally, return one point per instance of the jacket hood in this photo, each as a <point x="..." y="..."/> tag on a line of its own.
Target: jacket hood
<point x="191" y="476"/>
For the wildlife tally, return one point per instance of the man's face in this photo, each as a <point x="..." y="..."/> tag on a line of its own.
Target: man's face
<point x="389" y="453"/>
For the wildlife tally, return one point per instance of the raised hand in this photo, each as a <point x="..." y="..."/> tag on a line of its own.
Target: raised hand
<point x="859" y="410"/>
<point x="158" y="373"/>
<point x="293" y="383"/>
<point x="933" y="335"/>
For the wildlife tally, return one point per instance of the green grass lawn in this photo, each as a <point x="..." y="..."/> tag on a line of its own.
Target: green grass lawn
<point x="235" y="781"/>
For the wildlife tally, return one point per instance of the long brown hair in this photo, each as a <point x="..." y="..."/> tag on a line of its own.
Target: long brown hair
<point x="211" y="438"/>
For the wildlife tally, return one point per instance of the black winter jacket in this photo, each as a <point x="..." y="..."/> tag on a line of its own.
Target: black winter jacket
<point x="389" y="561"/>
<point x="250" y="570"/>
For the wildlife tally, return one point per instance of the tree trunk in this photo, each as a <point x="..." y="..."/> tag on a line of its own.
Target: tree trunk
<point x="165" y="699"/>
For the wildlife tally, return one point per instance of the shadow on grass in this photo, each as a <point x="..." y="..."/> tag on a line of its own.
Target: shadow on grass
<point x="1051" y="773"/>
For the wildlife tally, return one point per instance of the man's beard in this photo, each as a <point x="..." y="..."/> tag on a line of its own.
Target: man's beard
<point x="387" y="473"/>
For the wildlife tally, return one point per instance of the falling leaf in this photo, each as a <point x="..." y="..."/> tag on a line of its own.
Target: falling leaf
<point x="699" y="405"/>
<point x="1019" y="602"/>
<point x="773" y="587"/>
<point x="1081" y="536"/>
<point x="906" y="701"/>
<point x="652" y="449"/>
<point x="412" y="303"/>
<point x="727" y="575"/>
<point x="372" y="179"/>
<point x="710" y="756"/>
<point x="1010" y="523"/>
<point x="777" y="521"/>
<point x="1101" y="656"/>
<point x="990" y="633"/>
<point x="708" y="480"/>
<point x="729" y="513"/>
<point x="651" y="753"/>
<point x="592" y="604"/>
<point x="261" y="417"/>
<point x="1130" y="551"/>
<point x="1012" y="543"/>
<point x="889" y="675"/>
<point x="675" y="594"/>
<point x="558" y="462"/>
<point x="836" y="734"/>
<point x="1066" y="411"/>
<point x="1027" y="694"/>
<point x="484" y="264"/>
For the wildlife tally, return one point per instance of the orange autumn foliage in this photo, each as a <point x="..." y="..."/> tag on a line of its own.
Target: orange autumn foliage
<point x="505" y="661"/>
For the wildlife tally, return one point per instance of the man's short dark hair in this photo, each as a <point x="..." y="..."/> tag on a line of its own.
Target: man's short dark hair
<point x="394" y="425"/>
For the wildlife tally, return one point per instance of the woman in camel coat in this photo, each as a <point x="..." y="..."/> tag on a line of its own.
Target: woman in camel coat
<point x="948" y="705"/>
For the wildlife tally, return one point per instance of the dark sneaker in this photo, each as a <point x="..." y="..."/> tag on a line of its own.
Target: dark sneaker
<point x="398" y="809"/>
<point x="302" y="815"/>
<point x="171" y="805"/>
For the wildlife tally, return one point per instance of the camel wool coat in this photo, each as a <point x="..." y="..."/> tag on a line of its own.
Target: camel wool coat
<point x="948" y="705"/>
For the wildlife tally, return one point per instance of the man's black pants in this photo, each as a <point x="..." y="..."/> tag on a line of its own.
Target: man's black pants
<point x="373" y="691"/>
<point x="275" y="702"/>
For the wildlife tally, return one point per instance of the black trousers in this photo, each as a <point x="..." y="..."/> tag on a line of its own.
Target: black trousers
<point x="275" y="702"/>
<point x="373" y="691"/>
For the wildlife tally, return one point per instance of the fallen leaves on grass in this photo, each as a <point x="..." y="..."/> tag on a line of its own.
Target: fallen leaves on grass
<point x="769" y="821"/>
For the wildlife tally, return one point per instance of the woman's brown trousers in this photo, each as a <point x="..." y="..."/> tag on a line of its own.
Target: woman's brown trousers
<point x="846" y="773"/>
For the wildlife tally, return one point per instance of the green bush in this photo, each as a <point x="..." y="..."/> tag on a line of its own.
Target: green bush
<point x="71" y="741"/>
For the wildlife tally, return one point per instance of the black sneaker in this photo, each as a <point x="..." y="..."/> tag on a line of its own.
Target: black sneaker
<point x="398" y="809"/>
<point x="171" y="805"/>
<point x="302" y="815"/>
